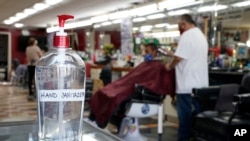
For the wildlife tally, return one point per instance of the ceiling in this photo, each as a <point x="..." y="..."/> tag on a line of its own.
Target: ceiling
<point x="86" y="8"/>
<point x="79" y="8"/>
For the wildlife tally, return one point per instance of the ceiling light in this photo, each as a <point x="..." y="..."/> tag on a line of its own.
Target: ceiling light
<point x="140" y="19"/>
<point x="135" y="28"/>
<point x="52" y="2"/>
<point x="21" y="15"/>
<point x="156" y="16"/>
<point x="160" y="25"/>
<point x="146" y="28"/>
<point x="101" y="18"/>
<point x="242" y="4"/>
<point x="172" y="26"/>
<point x="52" y="29"/>
<point x="7" y="22"/>
<point x="18" y="25"/>
<point x="106" y="23"/>
<point x="174" y="4"/>
<point x="178" y="12"/>
<point x="40" y="6"/>
<point x="166" y="34"/>
<point x="14" y="19"/>
<point x="29" y="11"/>
<point x="70" y="25"/>
<point x="119" y="15"/>
<point x="212" y="8"/>
<point x="144" y="10"/>
<point x="116" y="21"/>
<point x="78" y="24"/>
<point x="97" y="26"/>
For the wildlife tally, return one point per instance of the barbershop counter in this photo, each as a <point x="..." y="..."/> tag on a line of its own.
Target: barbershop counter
<point x="27" y="131"/>
<point x="217" y="77"/>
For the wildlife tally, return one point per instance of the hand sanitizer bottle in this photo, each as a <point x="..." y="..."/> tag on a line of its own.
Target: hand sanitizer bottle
<point x="60" y="84"/>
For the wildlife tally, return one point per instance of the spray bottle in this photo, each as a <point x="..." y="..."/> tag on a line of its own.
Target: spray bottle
<point x="60" y="83"/>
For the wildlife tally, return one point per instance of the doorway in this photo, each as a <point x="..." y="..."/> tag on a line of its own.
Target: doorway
<point x="5" y="55"/>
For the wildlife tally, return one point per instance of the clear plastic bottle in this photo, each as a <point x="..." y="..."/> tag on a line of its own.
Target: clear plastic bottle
<point x="60" y="84"/>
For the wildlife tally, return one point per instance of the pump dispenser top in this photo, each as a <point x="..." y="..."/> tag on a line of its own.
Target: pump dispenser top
<point x="61" y="39"/>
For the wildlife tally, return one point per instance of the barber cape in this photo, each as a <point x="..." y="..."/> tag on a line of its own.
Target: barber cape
<point x="152" y="75"/>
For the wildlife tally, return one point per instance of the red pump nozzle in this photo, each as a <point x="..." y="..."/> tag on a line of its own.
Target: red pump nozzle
<point x="63" y="18"/>
<point x="61" y="39"/>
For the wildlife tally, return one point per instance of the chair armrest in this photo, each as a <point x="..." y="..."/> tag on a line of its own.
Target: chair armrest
<point x="149" y="96"/>
<point x="242" y="103"/>
<point x="207" y="97"/>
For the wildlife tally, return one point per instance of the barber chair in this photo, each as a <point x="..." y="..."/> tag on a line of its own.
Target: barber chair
<point x="88" y="93"/>
<point x="21" y="78"/>
<point x="222" y="111"/>
<point x="146" y="104"/>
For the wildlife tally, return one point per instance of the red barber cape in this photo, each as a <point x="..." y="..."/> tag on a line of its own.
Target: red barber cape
<point x="151" y="75"/>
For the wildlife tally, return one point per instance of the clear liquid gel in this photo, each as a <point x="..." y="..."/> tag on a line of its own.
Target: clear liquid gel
<point x="60" y="84"/>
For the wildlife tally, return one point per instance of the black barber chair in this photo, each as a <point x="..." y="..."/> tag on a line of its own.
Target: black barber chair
<point x="88" y="92"/>
<point x="219" y="116"/>
<point x="143" y="103"/>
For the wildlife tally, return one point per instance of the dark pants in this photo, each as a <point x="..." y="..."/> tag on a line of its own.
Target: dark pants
<point x="31" y="74"/>
<point x="186" y="108"/>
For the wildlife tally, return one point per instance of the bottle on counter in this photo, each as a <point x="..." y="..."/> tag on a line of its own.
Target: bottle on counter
<point x="60" y="84"/>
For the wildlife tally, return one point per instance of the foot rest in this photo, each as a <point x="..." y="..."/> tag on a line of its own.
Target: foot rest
<point x="139" y="110"/>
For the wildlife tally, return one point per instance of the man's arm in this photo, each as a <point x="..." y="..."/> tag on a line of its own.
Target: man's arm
<point x="174" y="63"/>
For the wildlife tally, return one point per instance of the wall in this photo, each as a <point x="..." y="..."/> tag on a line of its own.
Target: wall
<point x="14" y="41"/>
<point x="115" y="39"/>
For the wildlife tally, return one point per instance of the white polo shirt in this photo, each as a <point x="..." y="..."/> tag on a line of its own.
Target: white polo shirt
<point x="192" y="70"/>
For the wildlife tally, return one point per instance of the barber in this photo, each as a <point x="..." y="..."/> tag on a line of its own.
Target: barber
<point x="191" y="67"/>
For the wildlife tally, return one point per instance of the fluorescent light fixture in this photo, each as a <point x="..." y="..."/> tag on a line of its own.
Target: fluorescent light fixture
<point x="52" y="29"/>
<point x="241" y="4"/>
<point x="40" y="6"/>
<point x="140" y="19"/>
<point x="212" y="8"/>
<point x="29" y="11"/>
<point x="101" y="18"/>
<point x="166" y="34"/>
<point x="172" y="26"/>
<point x="7" y="22"/>
<point x="161" y="25"/>
<point x="178" y="12"/>
<point x="119" y="15"/>
<point x="144" y="10"/>
<point x="174" y="4"/>
<point x="18" y="25"/>
<point x="14" y="19"/>
<point x="116" y="21"/>
<point x="106" y="23"/>
<point x="135" y="28"/>
<point x="78" y="24"/>
<point x="156" y="16"/>
<point x="21" y="15"/>
<point x="146" y="28"/>
<point x="70" y="25"/>
<point x="52" y="2"/>
<point x="97" y="25"/>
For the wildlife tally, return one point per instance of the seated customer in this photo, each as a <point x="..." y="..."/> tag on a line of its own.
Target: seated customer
<point x="149" y="74"/>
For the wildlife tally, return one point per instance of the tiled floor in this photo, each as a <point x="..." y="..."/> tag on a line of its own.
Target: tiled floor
<point x="14" y="106"/>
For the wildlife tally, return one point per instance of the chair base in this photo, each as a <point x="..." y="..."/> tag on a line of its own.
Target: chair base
<point x="130" y="130"/>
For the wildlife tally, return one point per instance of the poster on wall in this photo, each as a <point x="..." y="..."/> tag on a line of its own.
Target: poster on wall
<point x="127" y="36"/>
